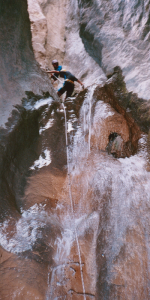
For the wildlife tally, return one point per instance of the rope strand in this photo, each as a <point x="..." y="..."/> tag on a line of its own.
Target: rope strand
<point x="71" y="200"/>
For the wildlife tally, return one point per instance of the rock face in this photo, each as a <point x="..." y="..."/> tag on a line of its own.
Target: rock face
<point x="61" y="41"/>
<point x="48" y="29"/>
<point x="19" y="70"/>
<point x="41" y="234"/>
<point x="74" y="179"/>
<point x="119" y="32"/>
<point x="116" y="34"/>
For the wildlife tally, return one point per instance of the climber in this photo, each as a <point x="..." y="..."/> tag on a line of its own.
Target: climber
<point x="56" y="67"/>
<point x="68" y="85"/>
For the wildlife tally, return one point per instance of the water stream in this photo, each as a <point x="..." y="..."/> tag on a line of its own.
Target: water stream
<point x="122" y="185"/>
<point x="105" y="224"/>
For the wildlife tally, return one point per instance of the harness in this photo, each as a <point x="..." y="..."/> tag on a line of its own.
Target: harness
<point x="69" y="81"/>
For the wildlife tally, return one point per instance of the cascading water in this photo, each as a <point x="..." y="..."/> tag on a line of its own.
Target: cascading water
<point x="118" y="189"/>
<point x="72" y="208"/>
<point x="107" y="194"/>
<point x="86" y="112"/>
<point x="75" y="193"/>
<point x="99" y="228"/>
<point x="116" y="192"/>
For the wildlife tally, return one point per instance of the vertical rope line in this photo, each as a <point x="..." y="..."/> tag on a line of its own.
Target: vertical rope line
<point x="90" y="108"/>
<point x="71" y="200"/>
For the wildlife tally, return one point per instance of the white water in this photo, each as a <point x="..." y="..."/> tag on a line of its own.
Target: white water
<point x="26" y="231"/>
<point x="123" y="183"/>
<point x="72" y="208"/>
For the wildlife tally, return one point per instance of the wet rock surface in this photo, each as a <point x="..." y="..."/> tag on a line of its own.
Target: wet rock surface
<point x="128" y="104"/>
<point x="38" y="236"/>
<point x="74" y="219"/>
<point x="115" y="93"/>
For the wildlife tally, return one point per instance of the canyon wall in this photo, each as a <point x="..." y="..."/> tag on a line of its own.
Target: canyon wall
<point x="19" y="70"/>
<point x="74" y="177"/>
<point x="96" y="34"/>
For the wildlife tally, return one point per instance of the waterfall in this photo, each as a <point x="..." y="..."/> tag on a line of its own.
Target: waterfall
<point x="75" y="176"/>
<point x="105" y="202"/>
<point x="121" y="185"/>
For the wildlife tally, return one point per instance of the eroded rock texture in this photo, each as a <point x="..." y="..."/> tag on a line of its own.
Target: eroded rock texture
<point x="74" y="179"/>
<point x="19" y="70"/>
<point x="119" y="31"/>
<point x="41" y="240"/>
<point x="102" y="33"/>
<point x="56" y="34"/>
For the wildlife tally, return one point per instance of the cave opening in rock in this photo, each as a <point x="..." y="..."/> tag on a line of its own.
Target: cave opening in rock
<point x="112" y="136"/>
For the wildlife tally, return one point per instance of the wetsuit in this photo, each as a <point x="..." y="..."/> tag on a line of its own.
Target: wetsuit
<point x="59" y="68"/>
<point x="68" y="84"/>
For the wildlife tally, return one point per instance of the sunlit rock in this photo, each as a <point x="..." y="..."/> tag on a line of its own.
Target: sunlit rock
<point x="39" y="29"/>
<point x="56" y="34"/>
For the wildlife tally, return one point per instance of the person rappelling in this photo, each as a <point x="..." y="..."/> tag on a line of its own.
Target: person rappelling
<point x="69" y="79"/>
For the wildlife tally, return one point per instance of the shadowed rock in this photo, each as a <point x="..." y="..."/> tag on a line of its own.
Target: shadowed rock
<point x="19" y="70"/>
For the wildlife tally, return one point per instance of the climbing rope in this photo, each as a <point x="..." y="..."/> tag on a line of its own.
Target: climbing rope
<point x="47" y="69"/>
<point x="71" y="200"/>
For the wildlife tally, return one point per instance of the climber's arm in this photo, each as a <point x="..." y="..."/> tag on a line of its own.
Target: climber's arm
<point x="53" y="72"/>
<point x="80" y="83"/>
